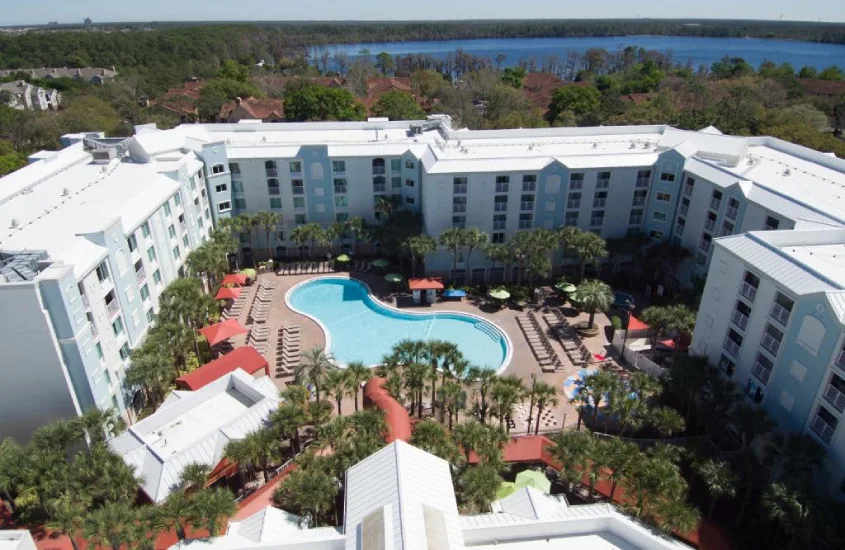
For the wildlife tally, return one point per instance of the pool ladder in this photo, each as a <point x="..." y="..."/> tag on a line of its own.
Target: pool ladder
<point x="489" y="330"/>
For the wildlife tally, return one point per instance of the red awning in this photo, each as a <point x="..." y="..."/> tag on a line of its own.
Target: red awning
<point x="425" y="284"/>
<point x="636" y="324"/>
<point x="238" y="279"/>
<point x="222" y="331"/>
<point x="245" y="357"/>
<point x="227" y="293"/>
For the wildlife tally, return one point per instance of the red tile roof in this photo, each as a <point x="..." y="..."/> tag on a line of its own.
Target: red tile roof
<point x="817" y="86"/>
<point x="267" y="109"/>
<point x="425" y="284"/>
<point x="538" y="88"/>
<point x="244" y="357"/>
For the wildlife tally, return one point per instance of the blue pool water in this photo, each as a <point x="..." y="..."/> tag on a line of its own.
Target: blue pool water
<point x="362" y="329"/>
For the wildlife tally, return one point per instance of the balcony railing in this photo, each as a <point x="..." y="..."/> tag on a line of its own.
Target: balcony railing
<point x="502" y="187"/>
<point x="572" y="205"/>
<point x="704" y="245"/>
<point x="379" y="188"/>
<point x="141" y="276"/>
<point x="529" y="187"/>
<point x="835" y="397"/>
<point x="524" y="224"/>
<point x="498" y="226"/>
<point x="340" y="189"/>
<point x="715" y="203"/>
<point x="840" y="360"/>
<point x="94" y="332"/>
<point x="731" y="347"/>
<point x="576" y="185"/>
<point x="526" y="206"/>
<point x="642" y="182"/>
<point x="377" y="170"/>
<point x="761" y="372"/>
<point x="183" y="226"/>
<point x="822" y="429"/>
<point x="635" y="220"/>
<point x="638" y="201"/>
<point x="602" y="184"/>
<point x="688" y="190"/>
<point x="679" y="229"/>
<point x="748" y="291"/>
<point x="298" y="190"/>
<point x="709" y="224"/>
<point x="459" y="208"/>
<point x="85" y="301"/>
<point x="599" y="203"/>
<point x="684" y="209"/>
<point x="459" y="189"/>
<point x="725" y="232"/>
<point x="770" y="344"/>
<point x="501" y="207"/>
<point x="740" y="319"/>
<point x="731" y="212"/>
<point x="596" y="222"/>
<point x="113" y="308"/>
<point x="780" y="314"/>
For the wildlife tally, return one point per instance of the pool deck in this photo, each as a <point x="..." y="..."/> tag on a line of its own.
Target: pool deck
<point x="522" y="364"/>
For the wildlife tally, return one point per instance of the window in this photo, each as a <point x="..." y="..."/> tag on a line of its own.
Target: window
<point x="409" y="183"/>
<point x="600" y="199"/>
<point x="459" y="204"/>
<point x="498" y="238"/>
<point x="573" y="201"/>
<point x="103" y="272"/>
<point x="603" y="180"/>
<point x="525" y="221"/>
<point x="409" y="164"/>
<point x="240" y="204"/>
<point x="171" y="230"/>
<point x="270" y="169"/>
<point x="145" y="229"/>
<point x="341" y="201"/>
<point x="502" y="184"/>
<point x="636" y="217"/>
<point x="234" y="168"/>
<point x="166" y="208"/>
<point x="298" y="187"/>
<point x="409" y="200"/>
<point x="185" y="241"/>
<point x="526" y="202"/>
<point x="500" y="203"/>
<point x="733" y="208"/>
<point x="299" y="219"/>
<point x="151" y="254"/>
<point x="655" y="235"/>
<point x="275" y="203"/>
<point x="459" y="186"/>
<point x="459" y="221"/>
<point x="224" y="206"/>
<point x="177" y="199"/>
<point x="667" y="176"/>
<point x="664" y="197"/>
<point x="726" y="365"/>
<point x="378" y="166"/>
<point x="218" y="169"/>
<point x="639" y="198"/>
<point x="529" y="184"/>
<point x="659" y="216"/>
<point x="395" y="165"/>
<point x="132" y="243"/>
<point x="339" y="166"/>
<point x="117" y="326"/>
<point x="273" y="187"/>
<point x="299" y="202"/>
<point x="571" y="219"/>
<point x="157" y="277"/>
<point x="145" y="293"/>
<point x="295" y="167"/>
<point x="643" y="177"/>
<point x="99" y="349"/>
<point x="341" y="216"/>
<point x="499" y="221"/>
<point x="151" y="315"/>
<point x="576" y="181"/>
<point x="771" y="224"/>
<point x="379" y="184"/>
<point x="597" y="218"/>
<point x="176" y="252"/>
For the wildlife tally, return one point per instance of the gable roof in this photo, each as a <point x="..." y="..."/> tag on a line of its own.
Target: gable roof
<point x="246" y="358"/>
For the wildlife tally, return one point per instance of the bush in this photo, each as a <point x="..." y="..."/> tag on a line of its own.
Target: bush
<point x="616" y="322"/>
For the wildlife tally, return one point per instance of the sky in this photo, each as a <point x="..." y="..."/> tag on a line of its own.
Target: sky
<point x="15" y="12"/>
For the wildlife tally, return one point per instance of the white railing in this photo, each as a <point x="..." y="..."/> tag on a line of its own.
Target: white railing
<point x="761" y="372"/>
<point x="725" y="232"/>
<point x="635" y="220"/>
<point x="94" y="332"/>
<point x="272" y="172"/>
<point x="572" y="205"/>
<point x="715" y="203"/>
<point x="642" y="182"/>
<point x="602" y="184"/>
<point x="709" y="224"/>
<point x="529" y="187"/>
<point x="770" y="344"/>
<point x="599" y="203"/>
<point x="840" y="360"/>
<point x="704" y="245"/>
<point x="684" y="209"/>
<point x="688" y="190"/>
<point x="526" y="206"/>
<point x="679" y="229"/>
<point x="501" y="207"/>
<point x="731" y="212"/>
<point x="780" y="314"/>
<point x="524" y="224"/>
<point x="502" y="187"/>
<point x="740" y="319"/>
<point x="113" y="308"/>
<point x="141" y="276"/>
<point x="638" y="201"/>
<point x="748" y="291"/>
<point x="731" y="347"/>
<point x="822" y="429"/>
<point x="85" y="301"/>
<point x="380" y="188"/>
<point x="340" y="189"/>
<point x="835" y="397"/>
<point x="459" y="189"/>
<point x="459" y="208"/>
<point x="596" y="222"/>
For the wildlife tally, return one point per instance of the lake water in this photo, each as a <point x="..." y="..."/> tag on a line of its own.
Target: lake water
<point x="697" y="50"/>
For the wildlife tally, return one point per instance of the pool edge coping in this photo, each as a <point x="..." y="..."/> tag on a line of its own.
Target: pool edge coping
<point x="327" y="334"/>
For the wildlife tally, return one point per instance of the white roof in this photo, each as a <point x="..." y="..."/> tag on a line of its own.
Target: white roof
<point x="530" y="503"/>
<point x="195" y="429"/>
<point x="16" y="539"/>
<point x="268" y="524"/>
<point x="84" y="256"/>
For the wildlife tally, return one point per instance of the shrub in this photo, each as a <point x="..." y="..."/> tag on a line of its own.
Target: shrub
<point x="616" y="321"/>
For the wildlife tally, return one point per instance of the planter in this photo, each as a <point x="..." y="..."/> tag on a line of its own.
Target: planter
<point x="583" y="329"/>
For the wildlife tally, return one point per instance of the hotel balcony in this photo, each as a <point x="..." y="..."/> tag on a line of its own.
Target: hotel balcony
<point x="94" y="332"/>
<point x="780" y="314"/>
<point x="715" y="203"/>
<point x="731" y="347"/>
<point x="835" y="397"/>
<point x="573" y="205"/>
<point x="113" y="308"/>
<point x="740" y="319"/>
<point x="748" y="291"/>
<point x="731" y="212"/>
<point x="141" y="276"/>
<point x="679" y="229"/>
<point x="770" y="344"/>
<point x="602" y="184"/>
<point x="340" y="189"/>
<point x="272" y="172"/>
<point x="599" y="203"/>
<point x="380" y="188"/>
<point x="642" y="182"/>
<point x="840" y="360"/>
<point x="459" y="208"/>
<point x="761" y="373"/>
<point x="684" y="210"/>
<point x="638" y="201"/>
<point x="85" y="301"/>
<point x="501" y="207"/>
<point x="502" y="187"/>
<point x="704" y="245"/>
<point x="709" y="224"/>
<point x="688" y="190"/>
<point x="822" y="429"/>
<point x="526" y="206"/>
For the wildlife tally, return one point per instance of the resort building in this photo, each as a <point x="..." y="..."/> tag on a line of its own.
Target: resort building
<point x="402" y="497"/>
<point x="773" y="319"/>
<point x="194" y="428"/>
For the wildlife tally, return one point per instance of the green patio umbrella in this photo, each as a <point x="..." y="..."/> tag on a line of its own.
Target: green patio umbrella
<point x="507" y="488"/>
<point x="535" y="479"/>
<point x="342" y="258"/>
<point x="499" y="294"/>
<point x="249" y="272"/>
<point x="393" y="278"/>
<point x="381" y="262"/>
<point x="565" y="287"/>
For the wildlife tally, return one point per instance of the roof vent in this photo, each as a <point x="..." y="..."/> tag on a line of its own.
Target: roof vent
<point x="65" y="192"/>
<point x="787" y="172"/>
<point x="595" y="145"/>
<point x="15" y="222"/>
<point x="633" y="145"/>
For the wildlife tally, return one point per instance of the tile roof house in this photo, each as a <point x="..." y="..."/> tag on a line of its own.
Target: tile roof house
<point x="254" y="108"/>
<point x="538" y="88"/>
<point x="97" y="75"/>
<point x="815" y="86"/>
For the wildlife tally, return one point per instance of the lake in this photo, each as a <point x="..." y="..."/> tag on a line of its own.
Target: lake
<point x="697" y="50"/>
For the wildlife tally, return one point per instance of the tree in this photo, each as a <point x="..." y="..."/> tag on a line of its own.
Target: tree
<point x="415" y="376"/>
<point x="478" y="486"/>
<point x="594" y="295"/>
<point x="570" y="451"/>
<point x="679" y="320"/>
<point x="484" y="378"/>
<point x="452" y="400"/>
<point x="432" y="437"/>
<point x="667" y="421"/>
<point x="655" y="317"/>
<point x="311" y="233"/>
<point x="335" y="383"/>
<point x="568" y="236"/>
<point x="232" y="70"/>
<point x="396" y="105"/>
<point x="316" y="364"/>
<point x="195" y="475"/>
<point x="453" y="239"/>
<point x="174" y="511"/>
<point x="68" y="516"/>
<point x="288" y="419"/>
<point x="590" y="248"/>
<point x="787" y="508"/>
<point x="211" y="507"/>
<point x="596" y="388"/>
<point x="384" y="63"/>
<point x="110" y="525"/>
<point x="420" y="246"/>
<point x="513" y="76"/>
<point x="314" y="102"/>
<point x="620" y="458"/>
<point x="473" y="238"/>
<point x="357" y="373"/>
<point x="11" y="457"/>
<point x="579" y="100"/>
<point x="309" y="492"/>
<point x="184" y="300"/>
<point x="469" y="435"/>
<point x="719" y="479"/>
<point x="506" y="393"/>
<point x="545" y="395"/>
<point x="268" y="222"/>
<point x="832" y="73"/>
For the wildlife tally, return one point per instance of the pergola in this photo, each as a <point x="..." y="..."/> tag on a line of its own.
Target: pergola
<point x="429" y="285"/>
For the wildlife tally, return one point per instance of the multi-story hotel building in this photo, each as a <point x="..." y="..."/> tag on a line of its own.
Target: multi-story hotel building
<point x="71" y="212"/>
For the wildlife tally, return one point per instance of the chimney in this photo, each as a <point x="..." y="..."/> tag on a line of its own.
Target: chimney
<point x="238" y="101"/>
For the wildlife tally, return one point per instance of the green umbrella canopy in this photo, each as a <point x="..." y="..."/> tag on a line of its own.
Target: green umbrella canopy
<point x="565" y="287"/>
<point x="507" y="488"/>
<point x="533" y="478"/>
<point x="381" y="262"/>
<point x="249" y="272"/>
<point x="342" y="258"/>
<point x="393" y="278"/>
<point x="499" y="294"/>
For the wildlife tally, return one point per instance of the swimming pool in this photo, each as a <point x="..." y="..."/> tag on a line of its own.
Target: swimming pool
<point x="360" y="328"/>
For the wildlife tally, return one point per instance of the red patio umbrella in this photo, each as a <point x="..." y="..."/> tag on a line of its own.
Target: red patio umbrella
<point x="222" y="331"/>
<point x="227" y="293"/>
<point x="237" y="279"/>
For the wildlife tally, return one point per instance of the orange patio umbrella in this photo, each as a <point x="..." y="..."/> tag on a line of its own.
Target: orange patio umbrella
<point x="237" y="279"/>
<point x="222" y="331"/>
<point x="227" y="293"/>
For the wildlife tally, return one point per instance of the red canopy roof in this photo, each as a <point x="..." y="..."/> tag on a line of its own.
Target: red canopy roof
<point x="636" y="324"/>
<point x="222" y="331"/>
<point x="395" y="415"/>
<point x="528" y="448"/>
<point x="227" y="293"/>
<point x="425" y="284"/>
<point x="245" y="358"/>
<point x="235" y="279"/>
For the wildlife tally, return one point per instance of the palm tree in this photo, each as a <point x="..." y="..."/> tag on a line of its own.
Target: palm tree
<point x="264" y="448"/>
<point x="674" y="515"/>
<point x="499" y="253"/>
<point x="357" y="374"/>
<point x="211" y="507"/>
<point x="11" y="458"/>
<point x="597" y="387"/>
<point x="786" y="507"/>
<point x="452" y="399"/>
<point x="570" y="451"/>
<point x="507" y="392"/>
<point x="680" y="321"/>
<point x="268" y="222"/>
<point x="309" y="492"/>
<point x="590" y="248"/>
<point x="420" y="246"/>
<point x="484" y="378"/>
<point x="453" y="239"/>
<point x="686" y="377"/>
<point x="111" y="524"/>
<point x="194" y="476"/>
<point x="434" y="351"/>
<point x="68" y="516"/>
<point x="545" y="396"/>
<point x="357" y="227"/>
<point x="288" y="419"/>
<point x="567" y="236"/>
<point x="336" y="231"/>
<point x="655" y="317"/>
<point x="469" y="435"/>
<point x="478" y="486"/>
<point x="316" y="363"/>
<point x="620" y="459"/>
<point x="99" y="423"/>
<point x="238" y="452"/>
<point x="172" y="513"/>
<point x="415" y="375"/>
<point x="595" y="296"/>
<point x="432" y="437"/>
<point x="667" y="421"/>
<point x="473" y="239"/>
<point x="335" y="383"/>
<point x="720" y="480"/>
